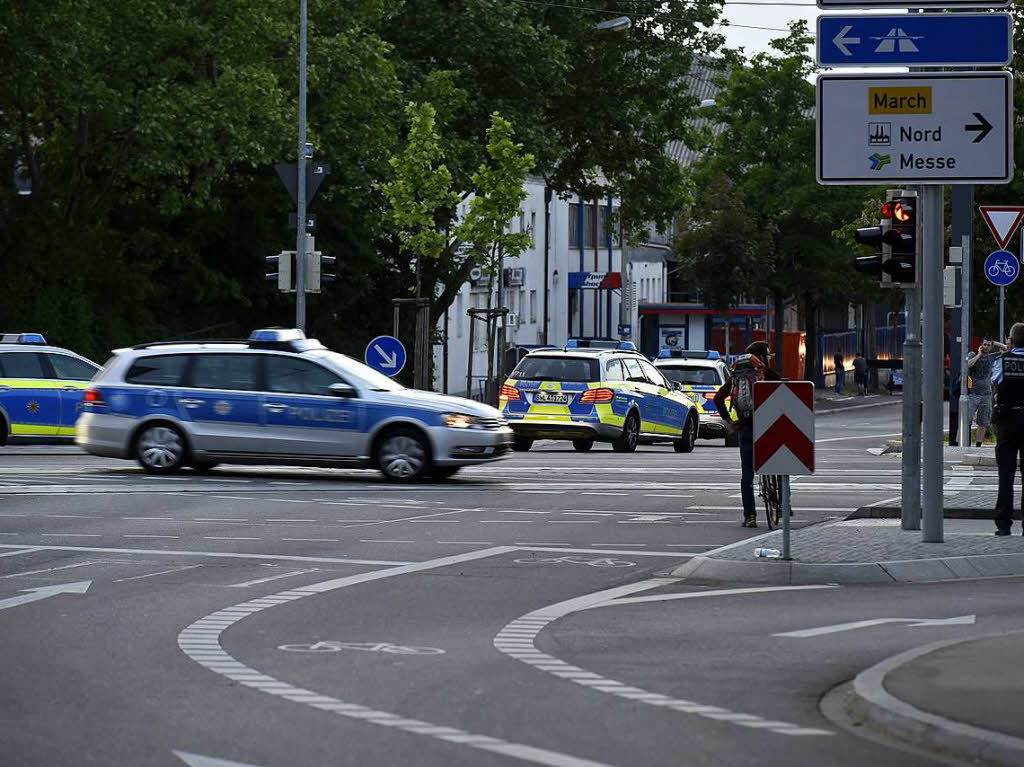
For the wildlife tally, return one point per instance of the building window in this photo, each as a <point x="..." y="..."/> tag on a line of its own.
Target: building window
<point x="574" y="224"/>
<point x="533" y="229"/>
<point x="522" y="304"/>
<point x="460" y="316"/>
<point x="533" y="306"/>
<point x="613" y="239"/>
<point x="589" y="226"/>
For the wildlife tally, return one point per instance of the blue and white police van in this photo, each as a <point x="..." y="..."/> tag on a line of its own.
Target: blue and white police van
<point x="278" y="398"/>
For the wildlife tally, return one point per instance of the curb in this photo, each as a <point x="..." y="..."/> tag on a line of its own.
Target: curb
<point x="893" y="446"/>
<point x="871" y="703"/>
<point x="780" y="572"/>
<point x="896" y="512"/>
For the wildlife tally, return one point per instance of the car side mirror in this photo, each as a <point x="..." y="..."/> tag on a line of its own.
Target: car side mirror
<point x="676" y="386"/>
<point x="343" y="390"/>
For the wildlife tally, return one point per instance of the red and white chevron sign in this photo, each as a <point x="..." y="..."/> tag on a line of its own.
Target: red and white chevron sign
<point x="784" y="427"/>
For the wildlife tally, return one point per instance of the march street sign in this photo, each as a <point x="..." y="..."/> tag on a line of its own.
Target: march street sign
<point x="934" y="128"/>
<point x="842" y="5"/>
<point x="924" y="40"/>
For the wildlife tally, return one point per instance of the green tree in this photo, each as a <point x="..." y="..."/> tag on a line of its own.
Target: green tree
<point x="766" y="151"/>
<point x="498" y="189"/>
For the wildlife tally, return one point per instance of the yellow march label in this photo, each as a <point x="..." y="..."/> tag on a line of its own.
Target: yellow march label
<point x="900" y="100"/>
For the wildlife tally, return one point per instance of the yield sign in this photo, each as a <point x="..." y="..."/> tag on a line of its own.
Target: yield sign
<point x="784" y="427"/>
<point x="1002" y="221"/>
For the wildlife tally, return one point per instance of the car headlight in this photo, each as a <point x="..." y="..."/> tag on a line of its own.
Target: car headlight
<point x="458" y="420"/>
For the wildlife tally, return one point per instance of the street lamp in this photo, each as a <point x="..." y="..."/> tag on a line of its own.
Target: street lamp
<point x="619" y="24"/>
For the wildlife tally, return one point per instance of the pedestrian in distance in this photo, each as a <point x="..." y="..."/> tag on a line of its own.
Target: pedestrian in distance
<point x="860" y="373"/>
<point x="979" y="386"/>
<point x="1008" y="379"/>
<point x="837" y="361"/>
<point x="754" y="365"/>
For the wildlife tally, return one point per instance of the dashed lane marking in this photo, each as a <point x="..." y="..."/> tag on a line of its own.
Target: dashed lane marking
<point x="215" y="555"/>
<point x="20" y="551"/>
<point x="201" y="642"/>
<point x="162" y="572"/>
<point x="270" y="578"/>
<point x="314" y="540"/>
<point x="518" y="640"/>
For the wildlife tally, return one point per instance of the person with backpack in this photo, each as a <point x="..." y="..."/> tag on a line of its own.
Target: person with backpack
<point x="752" y="366"/>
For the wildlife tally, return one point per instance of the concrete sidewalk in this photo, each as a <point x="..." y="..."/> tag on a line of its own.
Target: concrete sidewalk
<point x="959" y="698"/>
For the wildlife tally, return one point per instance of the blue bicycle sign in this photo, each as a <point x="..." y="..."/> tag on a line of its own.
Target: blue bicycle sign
<point x="1001" y="267"/>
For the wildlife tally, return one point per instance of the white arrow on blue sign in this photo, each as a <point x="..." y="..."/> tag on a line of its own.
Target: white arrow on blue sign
<point x="946" y="39"/>
<point x="1001" y="267"/>
<point x="386" y="355"/>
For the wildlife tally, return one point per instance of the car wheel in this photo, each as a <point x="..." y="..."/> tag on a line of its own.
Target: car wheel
<point x="732" y="440"/>
<point x="626" y="443"/>
<point x="402" y="456"/>
<point x="582" y="445"/>
<point x="521" y="444"/>
<point x="3" y="431"/>
<point x="685" y="445"/>
<point x="160" y="449"/>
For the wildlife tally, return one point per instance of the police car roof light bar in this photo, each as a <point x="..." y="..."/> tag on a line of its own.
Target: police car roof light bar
<point x="23" y="338"/>
<point x="687" y="354"/>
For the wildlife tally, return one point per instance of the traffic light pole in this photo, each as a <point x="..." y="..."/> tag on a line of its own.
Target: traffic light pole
<point x="911" y="487"/>
<point x="965" y="338"/>
<point x="300" y="185"/>
<point x="932" y="368"/>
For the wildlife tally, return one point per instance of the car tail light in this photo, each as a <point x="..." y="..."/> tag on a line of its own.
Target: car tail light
<point x="509" y="392"/>
<point x="710" y="395"/>
<point x="93" y="396"/>
<point x="596" y="396"/>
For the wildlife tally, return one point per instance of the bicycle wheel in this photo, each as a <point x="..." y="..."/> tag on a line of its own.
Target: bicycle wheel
<point x="771" y="494"/>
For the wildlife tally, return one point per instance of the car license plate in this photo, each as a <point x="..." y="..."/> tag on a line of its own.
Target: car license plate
<point x="552" y="397"/>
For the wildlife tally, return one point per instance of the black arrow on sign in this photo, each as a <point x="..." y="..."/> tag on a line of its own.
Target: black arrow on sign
<point x="983" y="126"/>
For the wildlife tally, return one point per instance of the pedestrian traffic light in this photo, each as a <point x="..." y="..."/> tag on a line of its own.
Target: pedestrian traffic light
<point x="315" y="274"/>
<point x="283" y="275"/>
<point x="896" y="241"/>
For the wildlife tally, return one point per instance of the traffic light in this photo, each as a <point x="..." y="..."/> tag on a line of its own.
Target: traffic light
<point x="896" y="241"/>
<point x="283" y="275"/>
<point x="315" y="274"/>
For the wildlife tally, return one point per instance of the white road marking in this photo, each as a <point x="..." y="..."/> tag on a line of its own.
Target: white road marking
<point x="313" y="540"/>
<point x="468" y="543"/>
<point x="664" y="495"/>
<point x="523" y="543"/>
<point x="49" y="570"/>
<point x="863" y="436"/>
<point x="601" y="493"/>
<point x="233" y="497"/>
<point x="151" y="519"/>
<point x="19" y="551"/>
<point x="228" y="538"/>
<point x="518" y="640"/>
<point x="382" y="540"/>
<point x="285" y="500"/>
<point x="292" y="520"/>
<point x="270" y="578"/>
<point x="214" y="555"/>
<point x="961" y="620"/>
<point x="633" y="552"/>
<point x="198" y="760"/>
<point x="70" y="535"/>
<point x="201" y="642"/>
<point x="162" y="572"/>
<point x="574" y="521"/>
<point x="408" y="519"/>
<point x="45" y="592"/>
<point x="218" y="519"/>
<point x="151" y="536"/>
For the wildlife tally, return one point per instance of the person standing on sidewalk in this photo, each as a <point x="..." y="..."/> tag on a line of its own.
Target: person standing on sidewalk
<point x="979" y="392"/>
<point x="1008" y="378"/>
<point x="860" y="373"/>
<point x="744" y="426"/>
<point x="837" y="361"/>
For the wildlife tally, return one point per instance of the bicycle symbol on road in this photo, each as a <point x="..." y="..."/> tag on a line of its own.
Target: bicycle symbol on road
<point x="382" y="647"/>
<point x="1001" y="267"/>
<point x="600" y="562"/>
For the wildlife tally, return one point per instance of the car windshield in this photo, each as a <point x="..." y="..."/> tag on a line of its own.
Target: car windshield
<point x="573" y="369"/>
<point x="691" y="375"/>
<point x="359" y="373"/>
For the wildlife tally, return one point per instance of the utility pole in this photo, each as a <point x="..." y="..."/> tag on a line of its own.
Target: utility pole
<point x="911" y="474"/>
<point x="300" y="185"/>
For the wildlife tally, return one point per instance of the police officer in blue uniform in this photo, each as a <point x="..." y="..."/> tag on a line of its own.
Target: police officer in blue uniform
<point x="1008" y="378"/>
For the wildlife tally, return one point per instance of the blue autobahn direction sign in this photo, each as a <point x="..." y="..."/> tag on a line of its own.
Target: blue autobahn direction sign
<point x="946" y="39"/>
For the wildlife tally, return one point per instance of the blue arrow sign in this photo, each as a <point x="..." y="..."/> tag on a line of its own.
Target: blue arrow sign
<point x="386" y="355"/>
<point x="954" y="39"/>
<point x="1001" y="267"/>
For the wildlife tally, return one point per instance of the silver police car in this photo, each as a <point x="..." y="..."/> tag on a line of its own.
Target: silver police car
<point x="278" y="398"/>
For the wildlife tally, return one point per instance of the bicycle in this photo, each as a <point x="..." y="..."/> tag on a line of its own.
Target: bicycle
<point x="770" y="490"/>
<point x="600" y="562"/>
<point x="1002" y="267"/>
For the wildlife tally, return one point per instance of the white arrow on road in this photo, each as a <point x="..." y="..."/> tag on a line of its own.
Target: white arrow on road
<point x="45" y="592"/>
<point x="389" y="362"/>
<point x="962" y="620"/>
<point x="198" y="760"/>
<point x="841" y="40"/>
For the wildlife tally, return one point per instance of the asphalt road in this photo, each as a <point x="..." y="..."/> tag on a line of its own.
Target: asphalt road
<point x="309" y="617"/>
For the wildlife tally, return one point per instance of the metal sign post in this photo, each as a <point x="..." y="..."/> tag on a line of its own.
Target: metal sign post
<point x="932" y="368"/>
<point x="1001" y="268"/>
